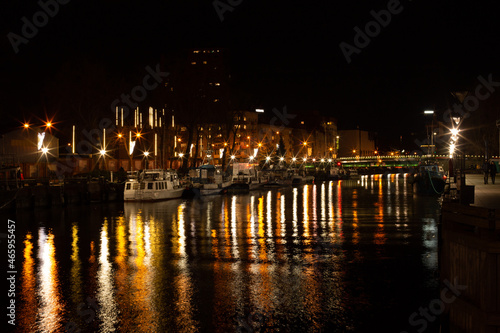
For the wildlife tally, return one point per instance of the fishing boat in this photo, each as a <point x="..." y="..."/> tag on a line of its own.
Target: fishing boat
<point x="152" y="185"/>
<point x="429" y="179"/>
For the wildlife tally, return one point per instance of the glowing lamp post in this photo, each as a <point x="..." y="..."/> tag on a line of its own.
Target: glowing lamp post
<point x="45" y="159"/>
<point x="146" y="155"/>
<point x="431" y="112"/>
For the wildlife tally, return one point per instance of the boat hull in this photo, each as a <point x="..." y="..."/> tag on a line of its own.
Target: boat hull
<point x="154" y="195"/>
<point x="428" y="186"/>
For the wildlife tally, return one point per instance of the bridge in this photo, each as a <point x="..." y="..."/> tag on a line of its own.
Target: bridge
<point x="389" y="161"/>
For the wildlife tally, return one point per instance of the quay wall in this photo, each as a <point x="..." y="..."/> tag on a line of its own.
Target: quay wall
<point x="32" y="195"/>
<point x="470" y="257"/>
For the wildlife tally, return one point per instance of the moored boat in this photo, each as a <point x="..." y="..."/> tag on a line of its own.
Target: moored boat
<point x="428" y="180"/>
<point x="208" y="179"/>
<point x="245" y="178"/>
<point x="153" y="185"/>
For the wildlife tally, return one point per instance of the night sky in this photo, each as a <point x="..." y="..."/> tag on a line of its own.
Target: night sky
<point x="282" y="53"/>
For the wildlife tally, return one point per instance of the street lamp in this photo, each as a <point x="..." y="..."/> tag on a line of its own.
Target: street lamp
<point x="146" y="154"/>
<point x="44" y="151"/>
<point x="102" y="152"/>
<point x="431" y="112"/>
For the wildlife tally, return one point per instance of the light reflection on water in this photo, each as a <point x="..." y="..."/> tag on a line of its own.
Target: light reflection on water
<point x="326" y="256"/>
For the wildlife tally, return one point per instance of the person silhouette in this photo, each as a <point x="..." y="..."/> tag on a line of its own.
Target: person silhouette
<point x="493" y="171"/>
<point x="486" y="170"/>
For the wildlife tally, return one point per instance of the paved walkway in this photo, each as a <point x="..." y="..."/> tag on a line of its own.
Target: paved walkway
<point x="485" y="195"/>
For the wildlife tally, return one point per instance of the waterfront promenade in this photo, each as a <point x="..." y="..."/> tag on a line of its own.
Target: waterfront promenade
<point x="485" y="195"/>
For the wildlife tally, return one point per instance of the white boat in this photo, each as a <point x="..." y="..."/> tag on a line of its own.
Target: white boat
<point x="299" y="177"/>
<point x="153" y="185"/>
<point x="245" y="177"/>
<point x="208" y="179"/>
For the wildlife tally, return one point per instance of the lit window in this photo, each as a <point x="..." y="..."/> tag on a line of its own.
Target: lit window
<point x="193" y="63"/>
<point x="217" y="84"/>
<point x="216" y="100"/>
<point x="196" y="51"/>
<point x="204" y="62"/>
<point x="244" y="118"/>
<point x="302" y="123"/>
<point x="244" y="126"/>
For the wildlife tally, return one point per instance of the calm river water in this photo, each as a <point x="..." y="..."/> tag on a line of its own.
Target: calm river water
<point x="346" y="256"/>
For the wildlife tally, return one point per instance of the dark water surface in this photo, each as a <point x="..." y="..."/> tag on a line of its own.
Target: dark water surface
<point x="342" y="256"/>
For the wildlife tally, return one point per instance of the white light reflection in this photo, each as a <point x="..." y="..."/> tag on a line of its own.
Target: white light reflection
<point x="50" y="306"/>
<point x="295" y="218"/>
<point x="184" y="304"/>
<point x="323" y="209"/>
<point x="430" y="242"/>
<point x="253" y="227"/>
<point x="105" y="289"/>
<point x="283" y="218"/>
<point x="234" y="247"/>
